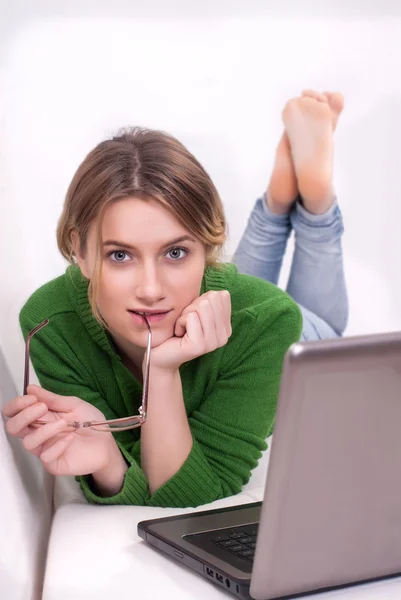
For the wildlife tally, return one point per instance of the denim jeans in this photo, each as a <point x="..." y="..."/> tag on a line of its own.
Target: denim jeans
<point x="316" y="281"/>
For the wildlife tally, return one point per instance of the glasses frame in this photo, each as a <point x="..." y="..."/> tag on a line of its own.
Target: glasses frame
<point x="111" y="425"/>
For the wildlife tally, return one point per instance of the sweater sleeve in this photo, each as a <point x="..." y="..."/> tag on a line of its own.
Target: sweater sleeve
<point x="230" y="427"/>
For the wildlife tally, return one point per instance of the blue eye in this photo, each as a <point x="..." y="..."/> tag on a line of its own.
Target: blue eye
<point x="175" y="258"/>
<point x="118" y="253"/>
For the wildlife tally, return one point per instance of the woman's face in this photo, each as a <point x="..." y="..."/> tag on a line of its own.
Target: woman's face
<point x="149" y="262"/>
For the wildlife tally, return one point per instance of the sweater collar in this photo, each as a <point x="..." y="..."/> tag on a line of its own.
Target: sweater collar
<point x="78" y="290"/>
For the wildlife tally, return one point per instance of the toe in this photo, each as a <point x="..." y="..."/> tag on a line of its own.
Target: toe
<point x="336" y="104"/>
<point x="335" y="100"/>
<point x="315" y="95"/>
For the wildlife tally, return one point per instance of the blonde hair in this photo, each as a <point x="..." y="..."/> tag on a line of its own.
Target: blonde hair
<point x="141" y="163"/>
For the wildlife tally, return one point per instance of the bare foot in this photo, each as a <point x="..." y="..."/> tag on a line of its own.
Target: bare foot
<point x="309" y="123"/>
<point x="283" y="186"/>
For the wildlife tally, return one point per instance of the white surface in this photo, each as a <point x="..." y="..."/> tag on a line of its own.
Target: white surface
<point x="216" y="74"/>
<point x="26" y="510"/>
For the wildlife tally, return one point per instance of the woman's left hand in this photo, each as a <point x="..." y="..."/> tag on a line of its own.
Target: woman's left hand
<point x="203" y="326"/>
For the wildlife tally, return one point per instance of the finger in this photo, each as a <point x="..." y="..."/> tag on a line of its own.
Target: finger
<point x="16" y="405"/>
<point x="45" y="432"/>
<point x="180" y="326"/>
<point x="224" y="298"/>
<point x="53" y="452"/>
<point x="194" y="330"/>
<point x="195" y="303"/>
<point x="216" y="305"/>
<point x="17" y="424"/>
<point x="226" y="301"/>
<point x="220" y="302"/>
<point x="208" y="324"/>
<point x="54" y="401"/>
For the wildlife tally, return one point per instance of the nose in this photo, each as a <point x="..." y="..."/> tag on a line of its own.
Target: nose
<point x="149" y="285"/>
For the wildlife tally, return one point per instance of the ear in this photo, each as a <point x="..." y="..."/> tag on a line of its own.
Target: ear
<point x="79" y="257"/>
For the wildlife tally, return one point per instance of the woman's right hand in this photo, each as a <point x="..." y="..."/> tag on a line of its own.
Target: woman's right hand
<point x="62" y="451"/>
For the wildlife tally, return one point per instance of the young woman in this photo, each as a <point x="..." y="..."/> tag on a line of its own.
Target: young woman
<point x="143" y="227"/>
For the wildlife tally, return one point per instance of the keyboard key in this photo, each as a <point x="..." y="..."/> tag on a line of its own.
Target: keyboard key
<point x="237" y="547"/>
<point x="248" y="539"/>
<point x="252" y="545"/>
<point x="236" y="535"/>
<point x="219" y="538"/>
<point x="251" y="531"/>
<point x="246" y="553"/>
<point x="227" y="543"/>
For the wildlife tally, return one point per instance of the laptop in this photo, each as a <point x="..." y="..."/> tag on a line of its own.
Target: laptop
<point x="331" y="512"/>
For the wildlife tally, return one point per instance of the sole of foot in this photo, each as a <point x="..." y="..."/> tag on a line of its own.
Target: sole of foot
<point x="309" y="122"/>
<point x="283" y="187"/>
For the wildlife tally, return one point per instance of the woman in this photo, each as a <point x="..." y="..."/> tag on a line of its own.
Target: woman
<point x="143" y="227"/>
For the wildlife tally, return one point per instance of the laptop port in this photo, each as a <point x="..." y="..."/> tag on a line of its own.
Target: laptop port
<point x="219" y="577"/>
<point x="209" y="572"/>
<point x="228" y="583"/>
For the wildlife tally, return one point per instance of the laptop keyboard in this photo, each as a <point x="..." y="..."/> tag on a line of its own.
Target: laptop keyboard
<point x="240" y="541"/>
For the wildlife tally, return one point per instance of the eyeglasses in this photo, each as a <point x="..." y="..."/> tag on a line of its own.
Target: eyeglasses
<point x="112" y="425"/>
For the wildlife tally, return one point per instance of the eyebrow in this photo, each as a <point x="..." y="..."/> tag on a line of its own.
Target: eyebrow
<point x="183" y="238"/>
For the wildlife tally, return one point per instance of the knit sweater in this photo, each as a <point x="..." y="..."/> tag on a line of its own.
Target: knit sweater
<point x="230" y="394"/>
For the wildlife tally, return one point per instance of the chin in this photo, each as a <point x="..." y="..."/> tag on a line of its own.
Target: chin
<point x="140" y="339"/>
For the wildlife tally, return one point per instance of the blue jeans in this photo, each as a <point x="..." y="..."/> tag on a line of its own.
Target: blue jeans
<point x="316" y="280"/>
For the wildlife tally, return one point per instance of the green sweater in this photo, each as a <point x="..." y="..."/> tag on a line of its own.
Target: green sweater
<point x="230" y="394"/>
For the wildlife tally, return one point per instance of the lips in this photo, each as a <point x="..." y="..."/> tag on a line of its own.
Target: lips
<point x="152" y="318"/>
<point x="149" y="313"/>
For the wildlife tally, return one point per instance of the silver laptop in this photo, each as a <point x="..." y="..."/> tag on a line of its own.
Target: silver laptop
<point x="331" y="513"/>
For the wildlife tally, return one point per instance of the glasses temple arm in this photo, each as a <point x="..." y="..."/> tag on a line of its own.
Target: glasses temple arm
<point x="28" y="339"/>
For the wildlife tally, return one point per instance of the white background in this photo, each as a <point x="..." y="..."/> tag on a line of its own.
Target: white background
<point x="216" y="75"/>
